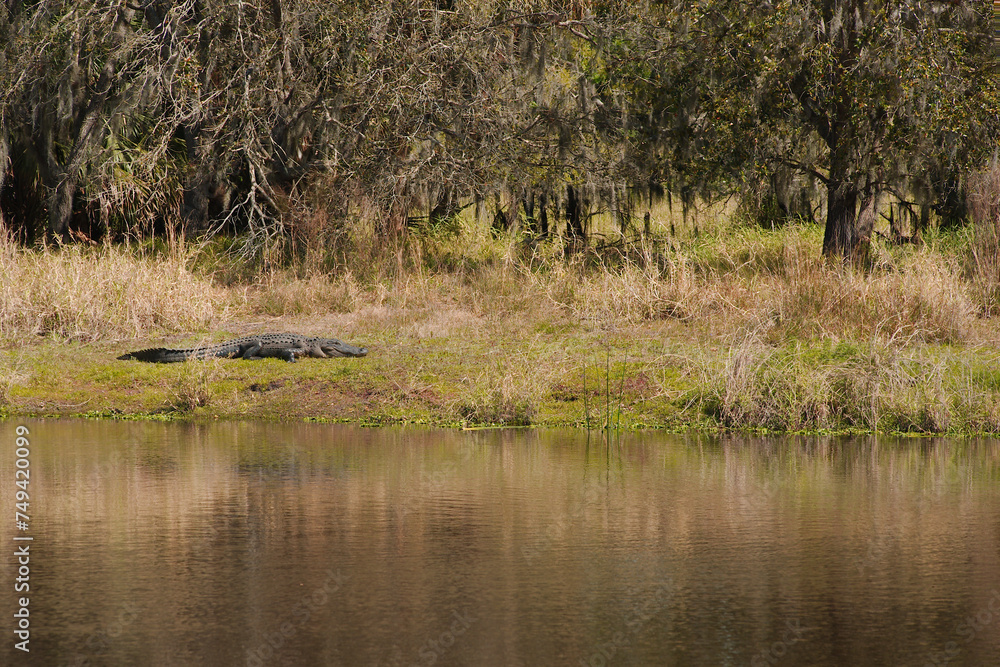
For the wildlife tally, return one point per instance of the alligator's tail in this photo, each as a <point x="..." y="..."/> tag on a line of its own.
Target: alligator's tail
<point x="154" y="355"/>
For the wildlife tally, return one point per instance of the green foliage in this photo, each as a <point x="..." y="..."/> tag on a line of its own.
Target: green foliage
<point x="866" y="97"/>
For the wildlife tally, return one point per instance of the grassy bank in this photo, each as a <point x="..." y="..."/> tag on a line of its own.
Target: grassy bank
<point x="732" y="327"/>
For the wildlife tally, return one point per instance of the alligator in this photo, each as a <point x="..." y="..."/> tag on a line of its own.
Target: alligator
<point x="285" y="346"/>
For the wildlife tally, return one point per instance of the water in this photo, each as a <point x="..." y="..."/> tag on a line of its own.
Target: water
<point x="253" y="544"/>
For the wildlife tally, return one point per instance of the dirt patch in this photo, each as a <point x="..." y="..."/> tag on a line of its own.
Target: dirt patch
<point x="270" y="386"/>
<point x="564" y="393"/>
<point x="638" y="385"/>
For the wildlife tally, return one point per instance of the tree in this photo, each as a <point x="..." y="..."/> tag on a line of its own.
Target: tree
<point x="67" y="84"/>
<point x="867" y="96"/>
<point x="234" y="112"/>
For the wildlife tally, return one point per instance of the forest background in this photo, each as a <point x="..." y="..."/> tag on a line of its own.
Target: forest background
<point x="780" y="215"/>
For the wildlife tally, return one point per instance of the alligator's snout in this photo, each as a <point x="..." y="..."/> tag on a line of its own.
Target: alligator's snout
<point x="344" y="350"/>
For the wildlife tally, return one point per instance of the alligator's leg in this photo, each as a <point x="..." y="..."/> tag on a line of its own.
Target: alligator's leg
<point x="291" y="354"/>
<point x="252" y="350"/>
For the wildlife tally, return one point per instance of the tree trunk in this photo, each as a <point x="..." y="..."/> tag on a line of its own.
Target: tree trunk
<point x="505" y="216"/>
<point x="4" y="155"/>
<point x="61" y="192"/>
<point x="445" y="208"/>
<point x="528" y="203"/>
<point x="194" y="214"/>
<point x="574" y="216"/>
<point x="543" y="215"/>
<point x="839" y="239"/>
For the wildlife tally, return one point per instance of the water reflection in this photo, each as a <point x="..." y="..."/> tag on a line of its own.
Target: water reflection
<point x="306" y="544"/>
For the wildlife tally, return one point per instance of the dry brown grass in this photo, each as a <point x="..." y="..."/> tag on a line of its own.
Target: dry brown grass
<point x="281" y="294"/>
<point x="852" y="386"/>
<point x="193" y="386"/>
<point x="919" y="299"/>
<point x="755" y="385"/>
<point x="107" y="292"/>
<point x="509" y="387"/>
<point x="778" y="284"/>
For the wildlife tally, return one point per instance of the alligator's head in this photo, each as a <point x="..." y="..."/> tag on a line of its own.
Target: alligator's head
<point x="337" y="348"/>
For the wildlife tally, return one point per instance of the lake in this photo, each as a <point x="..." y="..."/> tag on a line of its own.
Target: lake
<point x="312" y="544"/>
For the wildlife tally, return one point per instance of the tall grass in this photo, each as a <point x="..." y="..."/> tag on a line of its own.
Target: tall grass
<point x="87" y="294"/>
<point x="507" y="390"/>
<point x="776" y="282"/>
